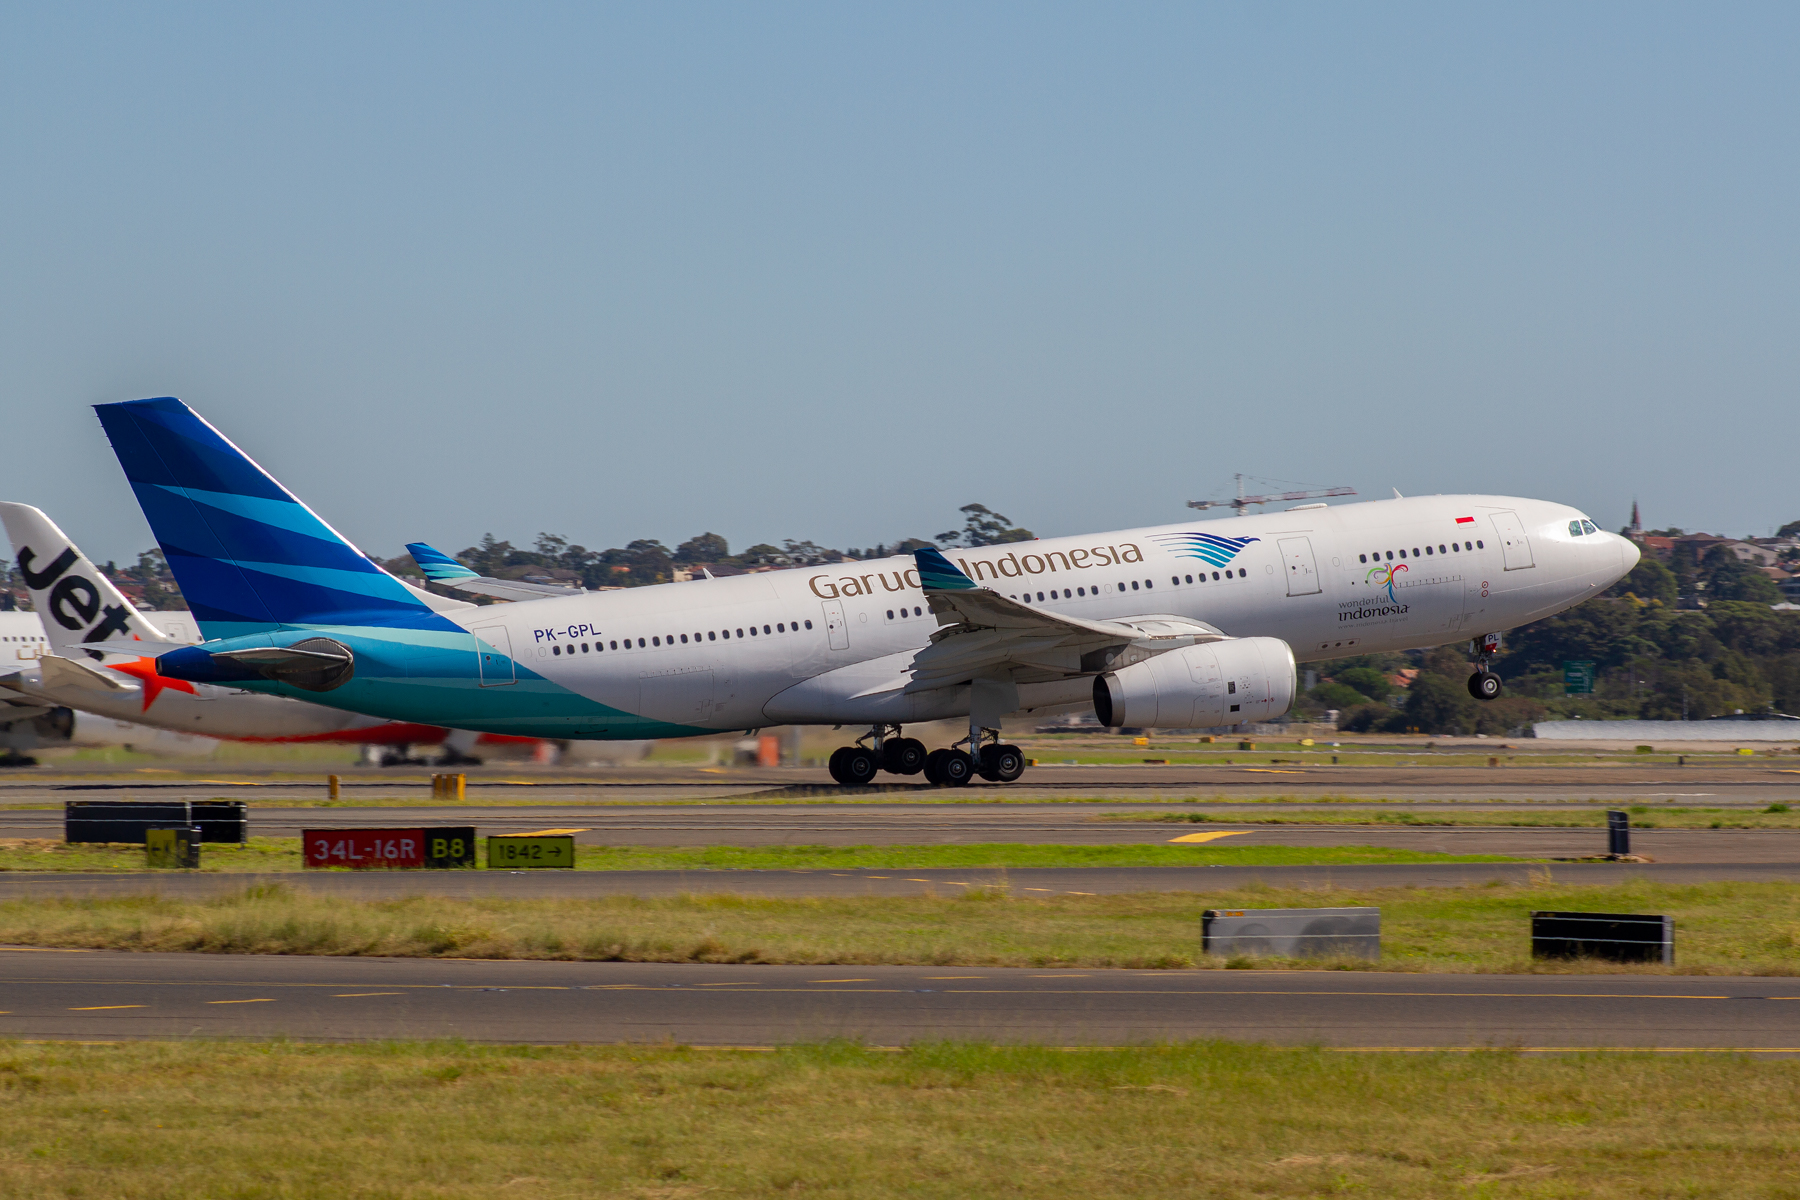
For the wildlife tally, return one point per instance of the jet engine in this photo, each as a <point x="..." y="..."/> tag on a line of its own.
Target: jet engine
<point x="1215" y="683"/>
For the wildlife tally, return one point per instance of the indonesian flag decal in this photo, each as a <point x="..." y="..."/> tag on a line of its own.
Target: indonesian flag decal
<point x="1465" y="520"/>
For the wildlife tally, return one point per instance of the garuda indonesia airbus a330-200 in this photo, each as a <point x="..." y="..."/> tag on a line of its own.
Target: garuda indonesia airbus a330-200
<point x="1198" y="624"/>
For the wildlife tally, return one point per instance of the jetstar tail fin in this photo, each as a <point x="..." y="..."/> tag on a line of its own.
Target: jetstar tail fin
<point x="82" y="612"/>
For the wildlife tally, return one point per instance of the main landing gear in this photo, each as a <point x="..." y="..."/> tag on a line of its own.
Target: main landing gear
<point x="1484" y="684"/>
<point x="854" y="766"/>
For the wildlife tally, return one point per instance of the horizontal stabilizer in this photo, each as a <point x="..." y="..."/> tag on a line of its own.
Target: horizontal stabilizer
<point x="62" y="672"/>
<point x="315" y="665"/>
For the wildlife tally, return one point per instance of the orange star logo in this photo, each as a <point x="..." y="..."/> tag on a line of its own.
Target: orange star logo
<point x="144" y="671"/>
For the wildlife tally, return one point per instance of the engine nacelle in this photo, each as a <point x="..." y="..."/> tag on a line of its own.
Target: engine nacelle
<point x="1215" y="683"/>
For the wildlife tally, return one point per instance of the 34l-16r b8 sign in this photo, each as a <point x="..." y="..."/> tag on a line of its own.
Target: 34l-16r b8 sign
<point x="426" y="848"/>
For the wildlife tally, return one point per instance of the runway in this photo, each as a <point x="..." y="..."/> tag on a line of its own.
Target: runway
<point x="92" y="996"/>
<point x="909" y="881"/>
<point x="1412" y="778"/>
<point x="932" y="824"/>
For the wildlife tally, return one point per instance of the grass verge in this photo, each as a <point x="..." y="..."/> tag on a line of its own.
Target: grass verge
<point x="1722" y="928"/>
<point x="442" y="1121"/>
<point x="283" y="854"/>
<point x="1643" y="816"/>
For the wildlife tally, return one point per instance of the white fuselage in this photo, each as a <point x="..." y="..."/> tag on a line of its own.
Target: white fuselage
<point x="176" y="706"/>
<point x="833" y="643"/>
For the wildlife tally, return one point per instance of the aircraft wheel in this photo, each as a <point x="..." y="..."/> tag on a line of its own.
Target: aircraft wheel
<point x="1002" y="764"/>
<point x="1484" y="685"/>
<point x="955" y="769"/>
<point x="903" y="756"/>
<point x="835" y="764"/>
<point x="856" y="767"/>
<point x="933" y="762"/>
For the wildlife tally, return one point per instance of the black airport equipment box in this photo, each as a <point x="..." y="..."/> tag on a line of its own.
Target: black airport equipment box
<point x="1616" y="937"/>
<point x="126" y="820"/>
<point x="1292" y="932"/>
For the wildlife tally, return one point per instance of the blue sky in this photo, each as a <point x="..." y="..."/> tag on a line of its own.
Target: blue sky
<point x="830" y="271"/>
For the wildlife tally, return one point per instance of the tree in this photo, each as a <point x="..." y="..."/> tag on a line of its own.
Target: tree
<point x="1791" y="529"/>
<point x="763" y="555"/>
<point x="1337" y="695"/>
<point x="983" y="527"/>
<point x="1729" y="578"/>
<point x="1649" y="580"/>
<point x="1367" y="680"/>
<point x="1438" y="704"/>
<point x="706" y="548"/>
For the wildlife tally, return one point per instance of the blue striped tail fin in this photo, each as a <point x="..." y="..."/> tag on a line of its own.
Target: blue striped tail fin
<point x="248" y="555"/>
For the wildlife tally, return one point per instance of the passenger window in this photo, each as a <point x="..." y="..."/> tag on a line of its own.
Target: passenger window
<point x="781" y="627"/>
<point x="1148" y="584"/>
<point x="765" y="629"/>
<point x="1403" y="554"/>
<point x="809" y="624"/>
<point x="1040" y="595"/>
<point x="752" y="631"/>
<point x="1190" y="579"/>
<point x="640" y="643"/>
<point x="1081" y="591"/>
<point x="1362" y="558"/>
<point x="1480" y="545"/>
<point x="556" y="649"/>
<point x="615" y="645"/>
<point x="656" y="641"/>
<point x="916" y="612"/>
<point x="1428" y="549"/>
<point x="1215" y="576"/>
<point x="1134" y="586"/>
<point x="740" y="633"/>
<point x="1415" y="552"/>
<point x="1242" y="572"/>
<point x="890" y="614"/>
<point x="712" y="637"/>
<point x="684" y="639"/>
<point x="584" y="648"/>
<point x="1441" y="549"/>
<point x="1456" y="547"/>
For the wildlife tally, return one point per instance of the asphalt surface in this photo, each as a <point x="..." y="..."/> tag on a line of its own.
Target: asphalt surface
<point x="909" y="881"/>
<point x="106" y="996"/>
<point x="1411" y="778"/>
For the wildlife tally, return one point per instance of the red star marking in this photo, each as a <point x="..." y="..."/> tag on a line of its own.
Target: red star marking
<point x="144" y="670"/>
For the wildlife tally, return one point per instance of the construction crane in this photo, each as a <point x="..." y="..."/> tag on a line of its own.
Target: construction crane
<point x="1241" y="502"/>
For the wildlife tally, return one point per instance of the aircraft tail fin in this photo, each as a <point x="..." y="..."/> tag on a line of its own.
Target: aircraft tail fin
<point x="249" y="556"/>
<point x="83" y="613"/>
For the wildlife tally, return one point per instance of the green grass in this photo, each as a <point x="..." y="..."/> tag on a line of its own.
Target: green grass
<point x="283" y="854"/>
<point x="1722" y="928"/>
<point x="446" y="1121"/>
<point x="1643" y="816"/>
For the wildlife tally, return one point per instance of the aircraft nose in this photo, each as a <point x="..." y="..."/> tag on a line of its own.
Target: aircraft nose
<point x="1629" y="554"/>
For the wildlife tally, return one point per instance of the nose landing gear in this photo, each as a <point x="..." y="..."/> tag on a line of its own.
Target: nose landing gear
<point x="1484" y="684"/>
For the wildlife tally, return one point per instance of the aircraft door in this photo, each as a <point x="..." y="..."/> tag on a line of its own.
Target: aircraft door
<point x="1515" y="547"/>
<point x="679" y="696"/>
<point x="1302" y="570"/>
<point x="493" y="654"/>
<point x="835" y="627"/>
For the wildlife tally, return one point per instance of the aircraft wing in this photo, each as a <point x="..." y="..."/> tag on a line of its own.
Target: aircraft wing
<point x="985" y="635"/>
<point x="441" y="568"/>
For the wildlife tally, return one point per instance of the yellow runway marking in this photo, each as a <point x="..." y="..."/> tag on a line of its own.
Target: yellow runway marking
<point x="1209" y="837"/>
<point x="546" y="833"/>
<point x="1079" y="893"/>
<point x="840" y="981"/>
<point x="877" y="877"/>
<point x="1271" y="771"/>
<point x="740" y="983"/>
<point x="101" y="1007"/>
<point x="956" y="883"/>
<point x="258" y="1000"/>
<point x="1037" y="889"/>
<point x="354" y="995"/>
<point x="39" y="949"/>
<point x="918" y="881"/>
<point x="943" y="977"/>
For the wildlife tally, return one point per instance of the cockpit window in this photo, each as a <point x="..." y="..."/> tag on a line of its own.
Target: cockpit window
<point x="1575" y="529"/>
<point x="1589" y="526"/>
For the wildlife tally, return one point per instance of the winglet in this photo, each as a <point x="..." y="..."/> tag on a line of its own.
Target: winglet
<point x="939" y="574"/>
<point x="438" y="566"/>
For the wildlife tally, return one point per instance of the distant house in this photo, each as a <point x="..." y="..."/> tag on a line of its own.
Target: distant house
<point x="1762" y="556"/>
